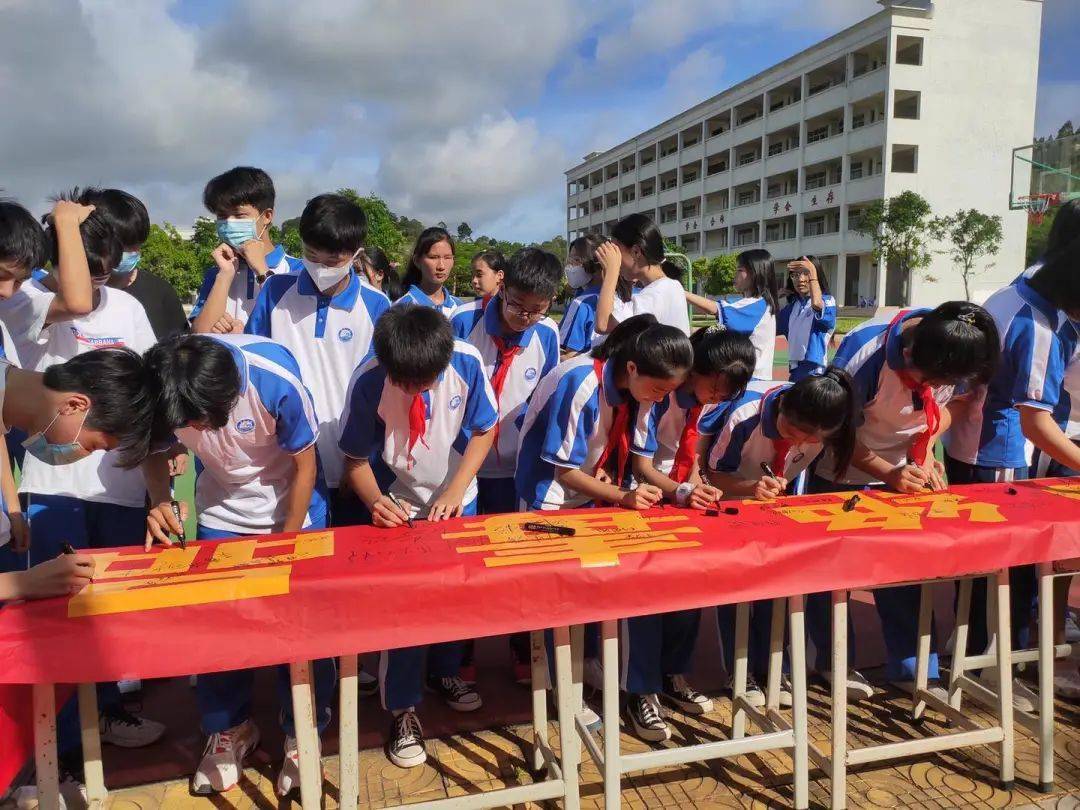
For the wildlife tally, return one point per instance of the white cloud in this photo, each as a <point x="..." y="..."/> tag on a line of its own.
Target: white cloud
<point x="695" y="78"/>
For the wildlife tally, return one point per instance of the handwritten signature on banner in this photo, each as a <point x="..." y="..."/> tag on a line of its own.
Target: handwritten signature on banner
<point x="240" y="569"/>
<point x="599" y="539"/>
<point x="885" y="510"/>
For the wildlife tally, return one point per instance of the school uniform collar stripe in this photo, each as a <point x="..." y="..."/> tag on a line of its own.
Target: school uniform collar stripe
<point x="344" y="300"/>
<point x="770" y="412"/>
<point x="611" y="392"/>
<point x="894" y="342"/>
<point x="275" y="256"/>
<point x="240" y="359"/>
<point x="684" y="397"/>
<point x="1030" y="296"/>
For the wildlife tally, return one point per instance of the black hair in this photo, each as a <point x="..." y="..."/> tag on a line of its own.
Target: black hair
<point x="657" y="350"/>
<point x="122" y="397"/>
<point x="100" y="242"/>
<point x="495" y="260"/>
<point x="1057" y="280"/>
<point x="533" y="271"/>
<point x="638" y="230"/>
<point x="957" y="342"/>
<point x="823" y="281"/>
<point x="1066" y="227"/>
<point x="723" y="351"/>
<point x="333" y="223"/>
<point x="124" y="212"/>
<point x="825" y="402"/>
<point x="585" y="248"/>
<point x="391" y="284"/>
<point x="759" y="264"/>
<point x="429" y="237"/>
<point x="22" y="239"/>
<point x="673" y="269"/>
<point x="413" y="343"/>
<point x="242" y="185"/>
<point x="197" y="381"/>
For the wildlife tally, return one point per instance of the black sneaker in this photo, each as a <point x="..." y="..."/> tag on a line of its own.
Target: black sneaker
<point x="458" y="696"/>
<point x="754" y="696"/>
<point x="645" y="715"/>
<point x="685" y="697"/>
<point x="406" y="746"/>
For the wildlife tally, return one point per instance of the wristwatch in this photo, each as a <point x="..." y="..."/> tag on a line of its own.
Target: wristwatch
<point x="682" y="494"/>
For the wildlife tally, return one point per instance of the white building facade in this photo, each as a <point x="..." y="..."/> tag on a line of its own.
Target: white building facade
<point x="923" y="96"/>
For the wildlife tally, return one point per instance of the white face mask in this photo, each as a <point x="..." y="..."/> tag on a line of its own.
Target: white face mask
<point x="326" y="277"/>
<point x="577" y="276"/>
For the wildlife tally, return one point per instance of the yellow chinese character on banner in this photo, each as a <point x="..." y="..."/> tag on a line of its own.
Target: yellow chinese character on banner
<point x="885" y="510"/>
<point x="599" y="539"/>
<point x="1065" y="490"/>
<point x="239" y="569"/>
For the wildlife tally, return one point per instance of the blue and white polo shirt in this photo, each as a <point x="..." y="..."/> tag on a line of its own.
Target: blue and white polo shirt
<point x="745" y="432"/>
<point x="414" y="295"/>
<point x="578" y="329"/>
<point x="566" y="425"/>
<point x="808" y="333"/>
<point x="753" y="318"/>
<point x="891" y="414"/>
<point x="376" y="427"/>
<point x="658" y="428"/>
<point x="478" y="325"/>
<point x="1037" y="343"/>
<point x="245" y="287"/>
<point x="329" y="337"/>
<point x="245" y="469"/>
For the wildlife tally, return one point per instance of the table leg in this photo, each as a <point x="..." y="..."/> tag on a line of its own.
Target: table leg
<point x="609" y="631"/>
<point x="800" y="755"/>
<point x="1046" y="677"/>
<point x="307" y="735"/>
<point x="93" y="773"/>
<point x="1005" y="678"/>
<point x="349" y="734"/>
<point x="45" y="758"/>
<point x="568" y="735"/>
<point x="958" y="666"/>
<point x="539" y="700"/>
<point x="738" y="674"/>
<point x="922" y="656"/>
<point x="838" y="758"/>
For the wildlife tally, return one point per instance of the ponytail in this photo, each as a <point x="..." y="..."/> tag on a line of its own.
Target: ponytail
<point x="759" y="264"/>
<point x="825" y="402"/>
<point x="657" y="350"/>
<point x="724" y="352"/>
<point x="584" y="248"/>
<point x="956" y="342"/>
<point x="672" y="269"/>
<point x="428" y="238"/>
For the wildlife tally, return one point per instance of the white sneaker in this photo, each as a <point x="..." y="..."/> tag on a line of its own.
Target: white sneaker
<point x="1072" y="629"/>
<point x="858" y="688"/>
<point x="646" y="718"/>
<point x="753" y="696"/>
<point x="72" y="794"/>
<point x="685" y="697"/>
<point x="126" y="730"/>
<point x="786" y="699"/>
<point x="1067" y="682"/>
<point x="933" y="687"/>
<point x="129" y="687"/>
<point x="289" y="776"/>
<point x="367" y="684"/>
<point x="458" y="696"/>
<point x="1024" y="700"/>
<point x="223" y="759"/>
<point x="592" y="674"/>
<point x="406" y="746"/>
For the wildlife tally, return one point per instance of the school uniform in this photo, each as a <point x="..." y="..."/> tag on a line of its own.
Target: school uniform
<point x="515" y="364"/>
<point x="808" y="333"/>
<point x="896" y="419"/>
<point x="664" y="297"/>
<point x="329" y="336"/>
<point x="244" y="471"/>
<point x="245" y="287"/>
<point x="22" y="320"/>
<point x="577" y="419"/>
<point x="753" y="318"/>
<point x="662" y="645"/>
<point x="5" y="521"/>
<point x="415" y="446"/>
<point x="577" y="332"/>
<point x="1042" y="466"/>
<point x="745" y="436"/>
<point x="1037" y="344"/>
<point x="414" y="295"/>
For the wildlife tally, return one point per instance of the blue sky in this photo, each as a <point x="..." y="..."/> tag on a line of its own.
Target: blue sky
<point x="465" y="110"/>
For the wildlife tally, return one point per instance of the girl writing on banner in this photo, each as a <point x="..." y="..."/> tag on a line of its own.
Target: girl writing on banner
<point x="808" y="318"/>
<point x="753" y="310"/>
<point x="658" y="649"/>
<point x="783" y="427"/>
<point x="908" y="369"/>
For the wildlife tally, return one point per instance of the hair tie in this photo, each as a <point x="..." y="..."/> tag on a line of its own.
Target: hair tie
<point x="966" y="317"/>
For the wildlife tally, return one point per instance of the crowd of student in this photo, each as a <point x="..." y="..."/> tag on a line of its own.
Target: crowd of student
<point x="319" y="391"/>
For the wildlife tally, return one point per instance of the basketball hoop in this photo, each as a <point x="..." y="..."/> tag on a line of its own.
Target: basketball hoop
<point x="1037" y="205"/>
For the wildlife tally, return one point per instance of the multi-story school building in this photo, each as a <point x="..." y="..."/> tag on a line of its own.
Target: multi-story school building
<point x="927" y="96"/>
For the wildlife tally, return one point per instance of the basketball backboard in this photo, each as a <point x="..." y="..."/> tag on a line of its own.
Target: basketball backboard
<point x="1045" y="174"/>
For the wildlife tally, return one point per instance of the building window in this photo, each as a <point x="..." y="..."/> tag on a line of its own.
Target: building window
<point x="818" y="134"/>
<point x="746" y="197"/>
<point x="909" y="50"/>
<point x="814" y="226"/>
<point x="746" y="158"/>
<point x="817" y="179"/>
<point x="856" y="171"/>
<point x="717" y="165"/>
<point x="905" y="159"/>
<point x="906" y="104"/>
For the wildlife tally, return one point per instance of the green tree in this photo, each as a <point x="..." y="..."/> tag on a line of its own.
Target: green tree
<point x="899" y="228"/>
<point x="970" y="236"/>
<point x="1038" y="234"/>
<point x="382" y="226"/>
<point x="464" y="232"/>
<point x="556" y="245"/>
<point x="716" y="275"/>
<point x="174" y="258"/>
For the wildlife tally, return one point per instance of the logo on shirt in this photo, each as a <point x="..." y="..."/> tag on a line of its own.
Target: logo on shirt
<point x="455" y="402"/>
<point x="530" y="374"/>
<point x="245" y="426"/>
<point x="97" y="342"/>
<point x="345" y="334"/>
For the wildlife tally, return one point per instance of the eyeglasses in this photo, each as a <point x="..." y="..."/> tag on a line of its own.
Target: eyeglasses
<point x="521" y="312"/>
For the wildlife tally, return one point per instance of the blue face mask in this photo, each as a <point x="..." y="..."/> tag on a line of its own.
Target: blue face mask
<point x="56" y="455"/>
<point x="235" y="232"/>
<point x="128" y="262"/>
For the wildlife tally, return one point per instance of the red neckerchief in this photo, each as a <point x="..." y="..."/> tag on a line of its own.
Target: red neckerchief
<point x="920" y="445"/>
<point x="417" y="425"/>
<point x="684" y="456"/>
<point x="618" y="438"/>
<point x="502" y="371"/>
